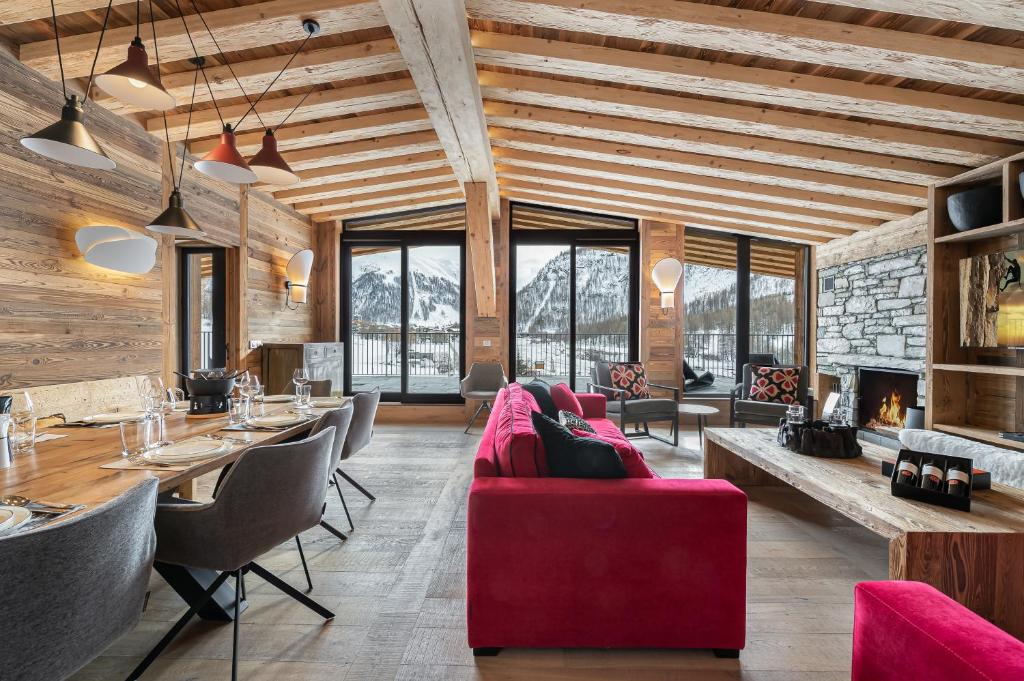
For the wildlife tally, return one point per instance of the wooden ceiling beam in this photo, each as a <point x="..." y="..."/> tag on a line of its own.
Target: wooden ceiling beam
<point x="236" y="28"/>
<point x="376" y="167"/>
<point x="734" y="169"/>
<point x="999" y="13"/>
<point x="325" y="65"/>
<point x="367" y="198"/>
<point x="775" y="36"/>
<point x="374" y="148"/>
<point x="305" y="135"/>
<point x="433" y="36"/>
<point x="392" y="206"/>
<point x="536" y="220"/>
<point x="697" y="200"/>
<point x="717" y="143"/>
<point x="668" y="205"/>
<point x="746" y="120"/>
<point x="760" y="85"/>
<point x="17" y="11"/>
<point x="563" y="216"/>
<point x="654" y="214"/>
<point x="420" y="221"/>
<point x="344" y="188"/>
<point x="328" y="103"/>
<point x="785" y="197"/>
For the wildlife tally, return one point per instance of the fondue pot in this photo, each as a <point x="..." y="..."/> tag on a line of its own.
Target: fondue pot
<point x="209" y="393"/>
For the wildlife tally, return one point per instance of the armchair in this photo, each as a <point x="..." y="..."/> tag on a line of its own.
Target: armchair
<point x="637" y="411"/>
<point x="743" y="410"/>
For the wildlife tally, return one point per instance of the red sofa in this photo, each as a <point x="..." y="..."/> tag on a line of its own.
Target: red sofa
<point x="641" y="562"/>
<point x="910" y="630"/>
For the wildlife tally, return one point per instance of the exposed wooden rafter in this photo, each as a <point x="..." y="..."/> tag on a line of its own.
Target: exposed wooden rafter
<point x="776" y="36"/>
<point x="1001" y="13"/>
<point x="16" y="11"/>
<point x="399" y="204"/>
<point x="370" y="149"/>
<point x="328" y="190"/>
<point x="370" y="168"/>
<point x="433" y="36"/>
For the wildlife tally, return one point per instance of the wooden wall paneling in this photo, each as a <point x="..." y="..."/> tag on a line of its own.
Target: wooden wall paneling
<point x="325" y="287"/>
<point x="213" y="204"/>
<point x="66" y="320"/>
<point x="890" y="237"/>
<point x="661" y="331"/>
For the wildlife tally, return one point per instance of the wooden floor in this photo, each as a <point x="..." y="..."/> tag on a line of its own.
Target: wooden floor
<point x="398" y="589"/>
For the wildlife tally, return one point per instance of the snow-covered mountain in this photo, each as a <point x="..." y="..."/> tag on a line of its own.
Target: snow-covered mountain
<point x="433" y="290"/>
<point x="709" y="294"/>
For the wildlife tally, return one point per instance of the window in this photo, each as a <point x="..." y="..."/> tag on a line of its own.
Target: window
<point x="403" y="301"/>
<point x="574" y="293"/>
<point x="202" y="284"/>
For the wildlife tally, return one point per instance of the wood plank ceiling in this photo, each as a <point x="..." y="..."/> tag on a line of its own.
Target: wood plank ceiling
<point x="803" y="121"/>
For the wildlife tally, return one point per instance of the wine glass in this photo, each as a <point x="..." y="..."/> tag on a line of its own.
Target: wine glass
<point x="23" y="416"/>
<point x="300" y="377"/>
<point x="244" y="382"/>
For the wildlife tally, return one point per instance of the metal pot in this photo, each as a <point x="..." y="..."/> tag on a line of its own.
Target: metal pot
<point x="209" y="386"/>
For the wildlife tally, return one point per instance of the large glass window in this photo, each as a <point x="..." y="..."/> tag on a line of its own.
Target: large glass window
<point x="773" y="303"/>
<point x="202" y="282"/>
<point x="710" y="297"/>
<point x="403" y="302"/>
<point x="574" y="299"/>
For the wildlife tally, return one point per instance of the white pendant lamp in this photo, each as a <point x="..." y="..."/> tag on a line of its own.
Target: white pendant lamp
<point x="117" y="248"/>
<point x="297" y="275"/>
<point x="68" y="140"/>
<point x="666" y="275"/>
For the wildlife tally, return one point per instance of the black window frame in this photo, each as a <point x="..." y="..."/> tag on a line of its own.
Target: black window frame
<point x="218" y="341"/>
<point x="575" y="238"/>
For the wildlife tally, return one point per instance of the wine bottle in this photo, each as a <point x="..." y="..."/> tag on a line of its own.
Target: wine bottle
<point x="932" y="476"/>
<point x="906" y="473"/>
<point x="958" y="481"/>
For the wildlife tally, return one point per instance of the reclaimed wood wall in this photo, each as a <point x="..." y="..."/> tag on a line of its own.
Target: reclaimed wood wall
<point x="62" y="319"/>
<point x="661" y="331"/>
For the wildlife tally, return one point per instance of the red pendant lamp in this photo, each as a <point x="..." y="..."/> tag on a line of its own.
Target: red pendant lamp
<point x="133" y="82"/>
<point x="225" y="163"/>
<point x="268" y="164"/>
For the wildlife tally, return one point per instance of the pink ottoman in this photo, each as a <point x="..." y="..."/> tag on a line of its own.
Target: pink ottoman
<point x="905" y="631"/>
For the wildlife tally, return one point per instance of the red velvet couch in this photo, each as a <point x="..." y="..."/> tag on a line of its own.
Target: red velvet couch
<point x="641" y="562"/>
<point x="910" y="630"/>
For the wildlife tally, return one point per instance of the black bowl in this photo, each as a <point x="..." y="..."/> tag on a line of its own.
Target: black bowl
<point x="976" y="207"/>
<point x="209" y="386"/>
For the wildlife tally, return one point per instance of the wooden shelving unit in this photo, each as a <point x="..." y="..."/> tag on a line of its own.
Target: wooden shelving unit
<point x="972" y="392"/>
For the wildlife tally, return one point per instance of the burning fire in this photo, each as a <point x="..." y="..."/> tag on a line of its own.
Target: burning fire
<point x="889" y="413"/>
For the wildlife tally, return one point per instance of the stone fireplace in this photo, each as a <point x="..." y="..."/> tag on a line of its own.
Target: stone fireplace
<point x="883" y="396"/>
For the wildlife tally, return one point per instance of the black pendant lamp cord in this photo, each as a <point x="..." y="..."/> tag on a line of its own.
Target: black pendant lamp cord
<point x="95" y="57"/>
<point x="224" y="59"/>
<point x="295" y="108"/>
<point x="60" y="58"/>
<point x="188" y="128"/>
<point x="252" y="107"/>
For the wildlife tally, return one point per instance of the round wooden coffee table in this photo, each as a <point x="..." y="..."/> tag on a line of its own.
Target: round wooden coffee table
<point x="702" y="413"/>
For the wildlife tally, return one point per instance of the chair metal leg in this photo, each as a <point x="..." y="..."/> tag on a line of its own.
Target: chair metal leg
<point x="675" y="431"/>
<point x="477" y="413"/>
<point x="333" y="530"/>
<point x="305" y="568"/>
<point x="180" y="624"/>
<point x="275" y="581"/>
<point x="356" y="485"/>
<point x="343" y="504"/>
<point x="234" y="633"/>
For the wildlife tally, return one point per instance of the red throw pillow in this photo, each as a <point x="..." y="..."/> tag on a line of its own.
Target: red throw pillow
<point x="774" y="384"/>
<point x="565" y="399"/>
<point x="631" y="379"/>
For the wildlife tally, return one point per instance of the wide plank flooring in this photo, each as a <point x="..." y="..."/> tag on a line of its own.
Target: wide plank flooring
<point x="398" y="588"/>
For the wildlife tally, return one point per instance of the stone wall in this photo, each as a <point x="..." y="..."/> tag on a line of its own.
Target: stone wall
<point x="876" y="316"/>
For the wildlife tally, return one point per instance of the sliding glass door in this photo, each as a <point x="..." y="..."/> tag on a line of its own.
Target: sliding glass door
<point x="403" y="316"/>
<point x="574" y="295"/>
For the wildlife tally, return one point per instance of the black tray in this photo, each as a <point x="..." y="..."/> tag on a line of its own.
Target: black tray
<point x="979" y="479"/>
<point x="938" y="498"/>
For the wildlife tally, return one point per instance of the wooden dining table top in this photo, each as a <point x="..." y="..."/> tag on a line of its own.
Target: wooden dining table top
<point x="67" y="470"/>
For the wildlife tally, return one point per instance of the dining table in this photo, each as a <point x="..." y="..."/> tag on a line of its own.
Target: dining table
<point x="69" y="470"/>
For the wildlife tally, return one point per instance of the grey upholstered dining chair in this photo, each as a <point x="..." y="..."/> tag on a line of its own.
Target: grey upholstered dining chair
<point x="71" y="589"/>
<point x="339" y="419"/>
<point x="483" y="382"/>
<point x="360" y="433"/>
<point x="320" y="388"/>
<point x="270" y="495"/>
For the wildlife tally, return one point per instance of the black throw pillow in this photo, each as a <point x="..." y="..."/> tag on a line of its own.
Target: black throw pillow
<point x="570" y="456"/>
<point x="574" y="422"/>
<point x="541" y="392"/>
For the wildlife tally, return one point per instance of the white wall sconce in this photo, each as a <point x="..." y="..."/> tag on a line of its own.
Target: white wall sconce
<point x="297" y="276"/>
<point x="666" y="275"/>
<point x="117" y="248"/>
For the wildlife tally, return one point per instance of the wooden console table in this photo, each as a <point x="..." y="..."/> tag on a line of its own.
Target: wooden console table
<point x="976" y="558"/>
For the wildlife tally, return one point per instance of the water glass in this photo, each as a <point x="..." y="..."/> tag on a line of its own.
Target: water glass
<point x="239" y="412"/>
<point x="795" y="413"/>
<point x="172" y="398"/>
<point x="300" y="377"/>
<point x="23" y="434"/>
<point x="137" y="436"/>
<point x="302" y="393"/>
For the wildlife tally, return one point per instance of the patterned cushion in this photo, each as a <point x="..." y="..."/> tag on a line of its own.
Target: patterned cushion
<point x="631" y="379"/>
<point x="574" y="422"/>
<point x="774" y="384"/>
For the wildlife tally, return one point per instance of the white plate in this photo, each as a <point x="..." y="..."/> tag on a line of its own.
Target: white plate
<point x="114" y="417"/>
<point x="19" y="516"/>
<point x="276" y="421"/>
<point x="269" y="399"/>
<point x="6" y="517"/>
<point x="327" y="402"/>
<point x="187" y="450"/>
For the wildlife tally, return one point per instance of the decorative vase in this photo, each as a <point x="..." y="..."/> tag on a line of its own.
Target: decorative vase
<point x="975" y="207"/>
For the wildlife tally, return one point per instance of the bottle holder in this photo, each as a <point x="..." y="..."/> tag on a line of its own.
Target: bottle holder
<point x="940" y="497"/>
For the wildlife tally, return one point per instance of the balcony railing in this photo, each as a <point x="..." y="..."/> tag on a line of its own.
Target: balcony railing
<point x="431" y="353"/>
<point x="716" y="352"/>
<point x="547" y="354"/>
